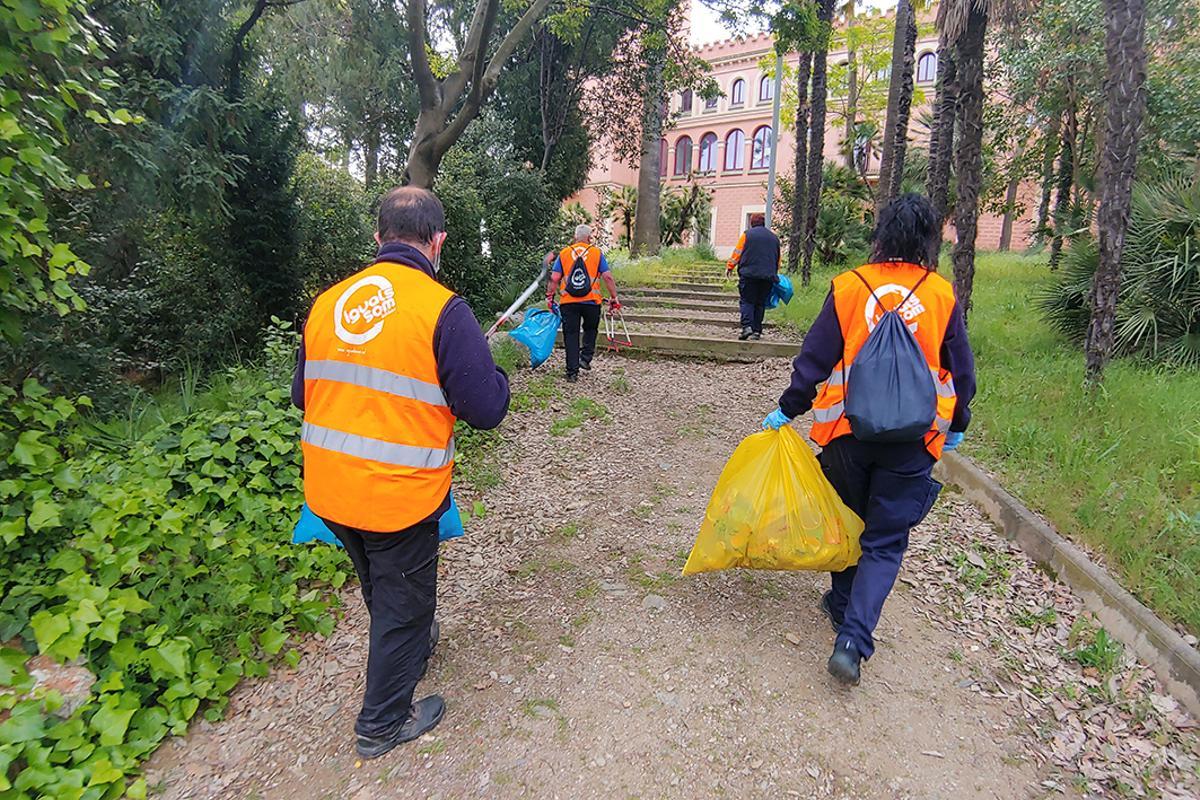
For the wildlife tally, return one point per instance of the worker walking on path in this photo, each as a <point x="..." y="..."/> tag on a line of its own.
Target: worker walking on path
<point x="389" y="361"/>
<point x="756" y="257"/>
<point x="883" y="471"/>
<point x="578" y="298"/>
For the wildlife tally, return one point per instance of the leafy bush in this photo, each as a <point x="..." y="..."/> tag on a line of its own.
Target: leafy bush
<point x="1158" y="316"/>
<point x="334" y="222"/>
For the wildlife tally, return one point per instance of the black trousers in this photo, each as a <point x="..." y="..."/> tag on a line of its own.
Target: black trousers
<point x="754" y="294"/>
<point x="398" y="574"/>
<point x="889" y="486"/>
<point x="573" y="314"/>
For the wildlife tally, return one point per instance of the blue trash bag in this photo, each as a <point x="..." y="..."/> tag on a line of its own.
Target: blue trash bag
<point x="312" y="528"/>
<point x="781" y="292"/>
<point x="537" y="332"/>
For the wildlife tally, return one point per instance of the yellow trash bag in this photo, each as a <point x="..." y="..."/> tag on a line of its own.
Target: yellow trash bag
<point x="773" y="508"/>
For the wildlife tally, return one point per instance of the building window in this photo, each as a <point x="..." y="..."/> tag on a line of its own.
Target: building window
<point x="761" y="157"/>
<point x="735" y="150"/>
<point x="708" y="153"/>
<point x="683" y="155"/>
<point x="737" y="93"/>
<point x="685" y="100"/>
<point x="662" y="158"/>
<point x="927" y="68"/>
<point x="766" y="88"/>
<point x="710" y="104"/>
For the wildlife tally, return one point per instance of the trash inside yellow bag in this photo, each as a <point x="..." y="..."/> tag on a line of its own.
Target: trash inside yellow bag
<point x="773" y="508"/>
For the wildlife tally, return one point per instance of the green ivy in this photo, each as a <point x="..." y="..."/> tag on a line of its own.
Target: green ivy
<point x="164" y="566"/>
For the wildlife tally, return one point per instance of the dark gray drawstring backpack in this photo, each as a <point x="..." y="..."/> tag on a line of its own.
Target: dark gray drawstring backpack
<point x="890" y="394"/>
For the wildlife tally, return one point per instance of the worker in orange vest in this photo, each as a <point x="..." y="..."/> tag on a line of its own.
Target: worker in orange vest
<point x="580" y="267"/>
<point x="389" y="361"/>
<point x="887" y="483"/>
<point x="757" y="257"/>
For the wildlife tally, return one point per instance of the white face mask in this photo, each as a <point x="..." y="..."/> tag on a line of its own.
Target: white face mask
<point x="439" y="242"/>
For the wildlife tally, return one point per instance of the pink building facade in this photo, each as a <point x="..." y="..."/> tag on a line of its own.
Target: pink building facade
<point x="724" y="144"/>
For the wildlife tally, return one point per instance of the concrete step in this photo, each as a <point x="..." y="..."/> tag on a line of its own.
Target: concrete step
<point x="698" y="317"/>
<point x="681" y="294"/>
<point x="703" y="286"/>
<point x="666" y="304"/>
<point x="709" y="347"/>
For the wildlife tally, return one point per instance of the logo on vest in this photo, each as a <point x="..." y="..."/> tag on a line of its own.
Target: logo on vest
<point x="909" y="311"/>
<point x="359" y="313"/>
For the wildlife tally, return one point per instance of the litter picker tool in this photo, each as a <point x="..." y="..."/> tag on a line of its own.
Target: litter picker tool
<point x="520" y="301"/>
<point x="615" y="329"/>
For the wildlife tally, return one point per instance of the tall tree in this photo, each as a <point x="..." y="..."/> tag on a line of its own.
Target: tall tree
<point x="647" y="223"/>
<point x="968" y="155"/>
<point x="945" y="114"/>
<point x="1067" y="170"/>
<point x="1051" y="147"/>
<point x="800" y="162"/>
<point x="1125" y="54"/>
<point x="448" y="104"/>
<point x="816" y="141"/>
<point x="900" y="92"/>
<point x="852" y="83"/>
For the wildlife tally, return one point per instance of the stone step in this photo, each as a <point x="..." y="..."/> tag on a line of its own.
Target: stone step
<point x="698" y="317"/>
<point x="681" y="294"/>
<point x="708" y="347"/>
<point x="703" y="286"/>
<point x="666" y="304"/>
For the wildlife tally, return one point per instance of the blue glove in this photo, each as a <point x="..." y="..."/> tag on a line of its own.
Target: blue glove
<point x="776" y="420"/>
<point x="953" y="440"/>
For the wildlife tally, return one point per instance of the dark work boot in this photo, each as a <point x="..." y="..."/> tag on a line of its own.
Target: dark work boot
<point x="586" y="366"/>
<point x="756" y="336"/>
<point x="745" y="334"/>
<point x="844" y="663"/>
<point x="827" y="607"/>
<point x="423" y="717"/>
<point x="572" y="377"/>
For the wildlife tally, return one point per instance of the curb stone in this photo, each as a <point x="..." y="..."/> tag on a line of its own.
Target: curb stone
<point x="1174" y="661"/>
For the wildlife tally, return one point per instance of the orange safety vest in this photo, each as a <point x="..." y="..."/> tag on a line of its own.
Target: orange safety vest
<point x="378" y="436"/>
<point x="927" y="313"/>
<point x="591" y="260"/>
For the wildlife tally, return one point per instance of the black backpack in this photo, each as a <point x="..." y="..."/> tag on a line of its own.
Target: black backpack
<point x="578" y="281"/>
<point x="890" y="393"/>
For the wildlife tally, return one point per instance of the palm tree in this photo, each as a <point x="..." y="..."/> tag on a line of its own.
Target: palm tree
<point x="624" y="205"/>
<point x="941" y="133"/>
<point x="852" y="77"/>
<point x="800" y="163"/>
<point x="816" y="143"/>
<point x="900" y="92"/>
<point x="1125" y="89"/>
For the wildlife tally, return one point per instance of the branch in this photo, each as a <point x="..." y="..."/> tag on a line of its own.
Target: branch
<point x="473" y="53"/>
<point x="492" y="74"/>
<point x="238" y="51"/>
<point x="427" y="85"/>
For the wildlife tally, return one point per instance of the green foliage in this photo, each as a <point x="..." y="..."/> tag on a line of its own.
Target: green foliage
<point x="333" y="222"/>
<point x="684" y="210"/>
<point x="49" y="51"/>
<point x="845" y="218"/>
<point x="1158" y="315"/>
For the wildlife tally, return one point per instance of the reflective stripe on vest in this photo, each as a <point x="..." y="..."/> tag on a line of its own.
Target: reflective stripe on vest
<point x="381" y="380"/>
<point x="400" y="455"/>
<point x="927" y="312"/>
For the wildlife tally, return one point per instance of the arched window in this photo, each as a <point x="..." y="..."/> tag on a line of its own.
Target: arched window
<point x="662" y="158"/>
<point x="708" y="153"/>
<point x="710" y="104"/>
<point x="760" y="158"/>
<point x="735" y="150"/>
<point x="737" y="93"/>
<point x="685" y="100"/>
<point x="927" y="68"/>
<point x="766" y="88"/>
<point x="683" y="155"/>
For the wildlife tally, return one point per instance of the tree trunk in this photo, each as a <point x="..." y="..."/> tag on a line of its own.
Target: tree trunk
<point x="647" y="226"/>
<point x="968" y="156"/>
<point x="800" y="164"/>
<point x="816" y="141"/>
<point x="1066" y="176"/>
<point x="1125" y="90"/>
<point x="1053" y="145"/>
<point x="371" y="155"/>
<point x="424" y="157"/>
<point x="900" y="87"/>
<point x="852" y="89"/>
<point x="1010" y="202"/>
<point x="941" y="138"/>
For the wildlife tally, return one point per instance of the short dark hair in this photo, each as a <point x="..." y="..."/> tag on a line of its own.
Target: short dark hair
<point x="907" y="230"/>
<point x="758" y="220"/>
<point x="408" y="213"/>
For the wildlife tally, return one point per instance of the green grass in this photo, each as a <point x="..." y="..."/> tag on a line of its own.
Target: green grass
<point x="1118" y="470"/>
<point x="656" y="270"/>
<point x="582" y="409"/>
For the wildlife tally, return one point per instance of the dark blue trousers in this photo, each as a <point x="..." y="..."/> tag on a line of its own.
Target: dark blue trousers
<point x="889" y="485"/>
<point x="398" y="576"/>
<point x="754" y="294"/>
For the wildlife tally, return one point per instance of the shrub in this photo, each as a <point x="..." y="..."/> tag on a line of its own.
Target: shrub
<point x="1158" y="315"/>
<point x="334" y="222"/>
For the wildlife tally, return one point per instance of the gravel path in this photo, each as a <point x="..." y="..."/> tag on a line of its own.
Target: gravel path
<point x="576" y="663"/>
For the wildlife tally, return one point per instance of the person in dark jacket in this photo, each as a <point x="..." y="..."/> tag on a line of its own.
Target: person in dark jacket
<point x="888" y="484"/>
<point x="756" y="257"/>
<point x="389" y="362"/>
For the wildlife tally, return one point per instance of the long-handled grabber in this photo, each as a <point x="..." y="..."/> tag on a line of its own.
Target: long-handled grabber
<point x="520" y="301"/>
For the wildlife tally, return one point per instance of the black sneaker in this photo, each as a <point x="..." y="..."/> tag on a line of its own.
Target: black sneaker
<point x="585" y="366"/>
<point x="844" y="663"/>
<point x="827" y="607"/>
<point x="423" y="717"/>
<point x="572" y="377"/>
<point x="756" y="336"/>
<point x="745" y="334"/>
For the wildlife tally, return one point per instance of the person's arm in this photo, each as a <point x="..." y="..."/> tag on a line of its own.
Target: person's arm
<point x="556" y="273"/>
<point x="298" y="377"/>
<point x="736" y="255"/>
<point x="820" y="353"/>
<point x="475" y="388"/>
<point x="958" y="358"/>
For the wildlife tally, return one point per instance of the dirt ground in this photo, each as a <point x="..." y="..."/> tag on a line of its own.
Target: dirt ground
<point x="577" y="663"/>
